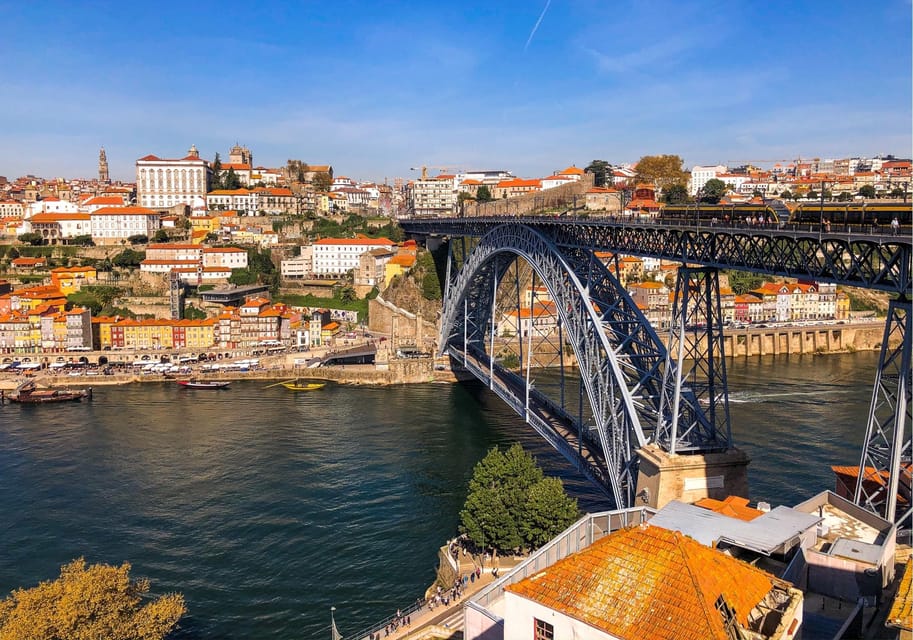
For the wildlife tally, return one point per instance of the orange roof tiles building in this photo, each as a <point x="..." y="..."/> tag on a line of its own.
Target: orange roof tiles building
<point x="648" y="583"/>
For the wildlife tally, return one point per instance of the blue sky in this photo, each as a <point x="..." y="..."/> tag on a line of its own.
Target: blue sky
<point x="375" y="88"/>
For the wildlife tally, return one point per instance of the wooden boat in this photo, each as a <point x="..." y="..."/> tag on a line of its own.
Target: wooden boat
<point x="29" y="393"/>
<point x="204" y="384"/>
<point x="294" y="385"/>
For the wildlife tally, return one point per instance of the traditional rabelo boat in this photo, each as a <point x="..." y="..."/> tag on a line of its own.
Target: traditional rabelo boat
<point x="204" y="384"/>
<point x="29" y="393"/>
<point x="294" y="385"/>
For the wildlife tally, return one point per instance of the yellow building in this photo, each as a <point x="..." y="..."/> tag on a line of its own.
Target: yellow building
<point x="71" y="279"/>
<point x="206" y="224"/>
<point x="397" y="265"/>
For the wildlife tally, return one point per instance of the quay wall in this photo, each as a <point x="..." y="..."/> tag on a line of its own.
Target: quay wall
<point x="802" y="340"/>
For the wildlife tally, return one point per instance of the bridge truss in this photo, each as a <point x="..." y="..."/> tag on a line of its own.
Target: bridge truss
<point x="636" y="391"/>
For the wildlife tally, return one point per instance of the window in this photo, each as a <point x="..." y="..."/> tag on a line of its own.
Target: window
<point x="543" y="630"/>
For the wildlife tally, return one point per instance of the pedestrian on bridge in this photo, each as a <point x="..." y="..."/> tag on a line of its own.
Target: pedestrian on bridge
<point x="895" y="226"/>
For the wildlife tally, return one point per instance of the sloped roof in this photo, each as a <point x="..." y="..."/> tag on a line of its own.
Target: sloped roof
<point x="649" y="583"/>
<point x="901" y="613"/>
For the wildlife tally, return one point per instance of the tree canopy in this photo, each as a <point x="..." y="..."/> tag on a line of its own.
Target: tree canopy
<point x="512" y="505"/>
<point x="867" y="191"/>
<point x="676" y="194"/>
<point x="85" y="603"/>
<point x="600" y="170"/>
<point x="483" y="194"/>
<point x="713" y="191"/>
<point x="663" y="171"/>
<point x="322" y="181"/>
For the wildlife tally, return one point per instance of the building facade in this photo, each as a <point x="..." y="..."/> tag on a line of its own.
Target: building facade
<point x="163" y="183"/>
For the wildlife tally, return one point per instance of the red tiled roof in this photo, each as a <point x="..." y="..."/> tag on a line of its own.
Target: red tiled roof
<point x="732" y="506"/>
<point x="362" y="240"/>
<point x="123" y="211"/>
<point x="649" y="583"/>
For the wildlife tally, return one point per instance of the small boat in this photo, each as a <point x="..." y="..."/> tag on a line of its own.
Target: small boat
<point x="29" y="393"/>
<point x="204" y="384"/>
<point x="294" y="385"/>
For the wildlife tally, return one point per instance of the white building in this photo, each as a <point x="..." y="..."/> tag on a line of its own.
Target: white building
<point x="301" y="266"/>
<point x="119" y="223"/>
<point x="338" y="256"/>
<point x="700" y="176"/>
<point x="240" y="200"/>
<point x="433" y="196"/>
<point x="162" y="184"/>
<point x="227" y="257"/>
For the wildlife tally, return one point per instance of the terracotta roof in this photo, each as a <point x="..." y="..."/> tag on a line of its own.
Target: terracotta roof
<point x="58" y="217"/>
<point x="123" y="211"/>
<point x="176" y="245"/>
<point x="472" y="182"/>
<point x="27" y="262"/>
<point x="105" y="200"/>
<point x="362" y="240"/>
<point x="223" y="250"/>
<point x="518" y="182"/>
<point x="572" y="171"/>
<point x="149" y="158"/>
<point x="732" y="506"/>
<point x="403" y="260"/>
<point x="649" y="583"/>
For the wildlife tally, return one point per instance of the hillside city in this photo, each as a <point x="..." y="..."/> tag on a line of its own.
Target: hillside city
<point x="101" y="264"/>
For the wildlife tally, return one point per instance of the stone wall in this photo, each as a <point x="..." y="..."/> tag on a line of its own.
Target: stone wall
<point x="403" y="326"/>
<point x="565" y="197"/>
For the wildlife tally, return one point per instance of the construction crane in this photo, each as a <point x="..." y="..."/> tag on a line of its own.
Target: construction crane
<point x="424" y="170"/>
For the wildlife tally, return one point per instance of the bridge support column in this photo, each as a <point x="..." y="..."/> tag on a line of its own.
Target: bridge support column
<point x="663" y="476"/>
<point x="885" y="467"/>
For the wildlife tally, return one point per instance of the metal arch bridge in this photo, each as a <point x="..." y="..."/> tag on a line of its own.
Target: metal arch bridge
<point x="637" y="391"/>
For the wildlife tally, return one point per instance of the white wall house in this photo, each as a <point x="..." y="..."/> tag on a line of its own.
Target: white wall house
<point x="119" y="223"/>
<point x="700" y="175"/>
<point x="338" y="256"/>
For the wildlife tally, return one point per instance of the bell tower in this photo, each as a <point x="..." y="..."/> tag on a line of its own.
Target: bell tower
<point x="103" y="166"/>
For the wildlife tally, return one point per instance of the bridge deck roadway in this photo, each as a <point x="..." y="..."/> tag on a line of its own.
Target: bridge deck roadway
<point x="868" y="259"/>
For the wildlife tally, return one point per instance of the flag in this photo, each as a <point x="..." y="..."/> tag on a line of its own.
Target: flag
<point x="334" y="632"/>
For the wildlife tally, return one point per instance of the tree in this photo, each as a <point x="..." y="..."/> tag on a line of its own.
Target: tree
<point x="33" y="239"/>
<point x="128" y="258"/>
<point x="231" y="181"/>
<point x="843" y="196"/>
<point x="812" y="195"/>
<point x="484" y="194"/>
<point x="786" y="195"/>
<point x="99" y="601"/>
<point x="867" y="191"/>
<point x="431" y="286"/>
<point x="742" y="282"/>
<point x="192" y="313"/>
<point x="600" y="170"/>
<point x="712" y="191"/>
<point x="82" y="241"/>
<point x="242" y="276"/>
<point x="348" y="294"/>
<point x="85" y="299"/>
<point x="216" y="172"/>
<point x="511" y="504"/>
<point x="160" y="236"/>
<point x="675" y="194"/>
<point x="897" y="192"/>
<point x="548" y="512"/>
<point x="663" y="171"/>
<point x="322" y="181"/>
<point x="139" y="238"/>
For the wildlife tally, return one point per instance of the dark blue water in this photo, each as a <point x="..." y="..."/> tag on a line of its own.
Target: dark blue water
<point x="265" y="507"/>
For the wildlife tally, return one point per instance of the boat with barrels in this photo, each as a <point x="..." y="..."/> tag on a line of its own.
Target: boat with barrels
<point x="29" y="393"/>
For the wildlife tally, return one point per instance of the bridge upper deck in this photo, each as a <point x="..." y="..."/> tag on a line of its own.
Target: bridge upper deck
<point x="869" y="257"/>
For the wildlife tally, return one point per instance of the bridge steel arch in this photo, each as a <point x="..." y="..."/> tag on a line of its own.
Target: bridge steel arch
<point x="619" y="355"/>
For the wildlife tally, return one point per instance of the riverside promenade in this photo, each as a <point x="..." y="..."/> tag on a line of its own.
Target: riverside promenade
<point x="427" y="619"/>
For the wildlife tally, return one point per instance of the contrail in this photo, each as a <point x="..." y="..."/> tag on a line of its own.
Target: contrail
<point x="536" y="26"/>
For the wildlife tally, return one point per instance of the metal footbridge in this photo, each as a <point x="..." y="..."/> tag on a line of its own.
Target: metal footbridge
<point x="619" y="388"/>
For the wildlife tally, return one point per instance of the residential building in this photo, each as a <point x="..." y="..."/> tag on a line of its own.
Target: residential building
<point x="433" y="196"/>
<point x="700" y="175"/>
<point x="57" y="228"/>
<point x="604" y="199"/>
<point x="372" y="267"/>
<point x="119" y="223"/>
<point x="541" y="319"/>
<point x="650" y="582"/>
<point x="338" y="256"/>
<point x="71" y="279"/>
<point x="163" y="183"/>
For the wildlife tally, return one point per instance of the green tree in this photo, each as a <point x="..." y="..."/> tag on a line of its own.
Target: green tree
<point x="242" y="276"/>
<point x="192" y="313"/>
<point x="663" y="170"/>
<point x="85" y="299"/>
<point x="98" y="601"/>
<point x="548" y="512"/>
<point x="497" y="500"/>
<point x="812" y="195"/>
<point x="322" y="181"/>
<point x="431" y="286"/>
<point x="600" y="170"/>
<point x="675" y="194"/>
<point x="139" y="238"/>
<point x="128" y="258"/>
<point x="33" y="239"/>
<point x="216" y="173"/>
<point x="786" y="195"/>
<point x="713" y="190"/>
<point x="82" y="241"/>
<point x="160" y="236"/>
<point x="483" y="194"/>
<point x="867" y="191"/>
<point x="347" y="294"/>
<point x="741" y="282"/>
<point x="231" y="181"/>
<point x="897" y="192"/>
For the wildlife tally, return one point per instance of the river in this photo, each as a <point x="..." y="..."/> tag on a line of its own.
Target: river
<point x="265" y="507"/>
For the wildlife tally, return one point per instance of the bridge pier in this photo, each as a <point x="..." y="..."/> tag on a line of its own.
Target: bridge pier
<point x="663" y="476"/>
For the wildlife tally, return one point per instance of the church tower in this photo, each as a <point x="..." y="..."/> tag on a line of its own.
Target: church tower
<point x="103" y="166"/>
<point x="192" y="152"/>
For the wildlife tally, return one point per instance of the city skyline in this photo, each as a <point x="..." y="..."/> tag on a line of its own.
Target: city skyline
<point x="530" y="87"/>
